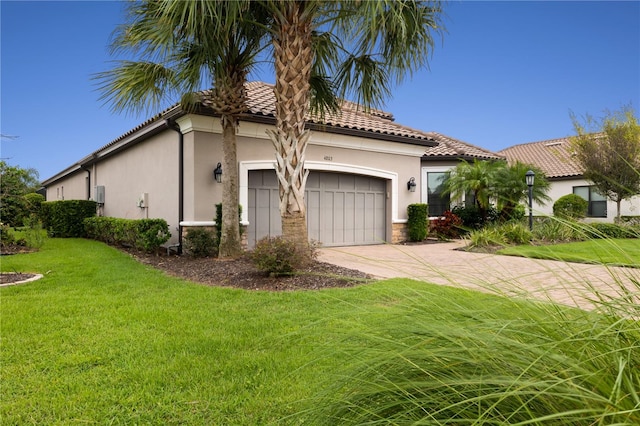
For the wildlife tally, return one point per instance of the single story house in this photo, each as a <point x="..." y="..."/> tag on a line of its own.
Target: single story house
<point x="362" y="167"/>
<point x="565" y="176"/>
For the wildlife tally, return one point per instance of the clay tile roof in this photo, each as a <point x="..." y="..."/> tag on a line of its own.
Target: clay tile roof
<point x="449" y="147"/>
<point x="351" y="115"/>
<point x="551" y="156"/>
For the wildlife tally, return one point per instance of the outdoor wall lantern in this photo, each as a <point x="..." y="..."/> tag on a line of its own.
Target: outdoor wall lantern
<point x="411" y="185"/>
<point x="529" y="178"/>
<point x="217" y="173"/>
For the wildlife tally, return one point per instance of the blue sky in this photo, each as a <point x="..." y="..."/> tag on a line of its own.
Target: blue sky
<point x="505" y="73"/>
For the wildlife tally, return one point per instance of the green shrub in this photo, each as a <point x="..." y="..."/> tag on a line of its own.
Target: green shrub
<point x="472" y="218"/>
<point x="447" y="226"/>
<point x="516" y="233"/>
<point x="278" y="256"/>
<point x="517" y="213"/>
<point x="556" y="230"/>
<point x="32" y="205"/>
<point x="610" y="230"/>
<point x="570" y="206"/>
<point x="200" y="242"/>
<point x="418" y="221"/>
<point x="6" y="236"/>
<point x="632" y="221"/>
<point x="486" y="237"/>
<point x="142" y="234"/>
<point x="65" y="218"/>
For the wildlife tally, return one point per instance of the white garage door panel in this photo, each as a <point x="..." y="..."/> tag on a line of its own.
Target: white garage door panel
<point x="342" y="209"/>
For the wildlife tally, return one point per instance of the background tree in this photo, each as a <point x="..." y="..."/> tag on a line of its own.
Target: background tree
<point x="179" y="55"/>
<point x="608" y="150"/>
<point x="510" y="189"/>
<point x="15" y="182"/>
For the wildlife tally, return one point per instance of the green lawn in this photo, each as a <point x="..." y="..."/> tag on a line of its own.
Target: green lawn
<point x="102" y="339"/>
<point x="625" y="252"/>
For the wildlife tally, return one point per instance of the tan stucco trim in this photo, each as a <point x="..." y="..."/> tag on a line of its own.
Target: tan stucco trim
<point x="200" y="123"/>
<point x="246" y="166"/>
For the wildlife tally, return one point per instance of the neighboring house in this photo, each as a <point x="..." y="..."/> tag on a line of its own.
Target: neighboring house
<point x="436" y="164"/>
<point x="564" y="174"/>
<point x="357" y="191"/>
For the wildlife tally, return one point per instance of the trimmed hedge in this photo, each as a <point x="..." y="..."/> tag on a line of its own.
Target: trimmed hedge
<point x="418" y="221"/>
<point x="64" y="218"/>
<point x="610" y="230"/>
<point x="141" y="234"/>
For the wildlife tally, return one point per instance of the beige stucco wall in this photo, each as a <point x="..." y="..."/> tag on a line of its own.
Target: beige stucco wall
<point x="395" y="162"/>
<point x="72" y="187"/>
<point x="149" y="167"/>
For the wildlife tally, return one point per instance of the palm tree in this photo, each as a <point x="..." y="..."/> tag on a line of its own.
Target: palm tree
<point x="179" y="56"/>
<point x="368" y="46"/>
<point x="510" y="187"/>
<point x="475" y="178"/>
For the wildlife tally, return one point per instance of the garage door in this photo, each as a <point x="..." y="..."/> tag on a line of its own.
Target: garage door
<point x="342" y="209"/>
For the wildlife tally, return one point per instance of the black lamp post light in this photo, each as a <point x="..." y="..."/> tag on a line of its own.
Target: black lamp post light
<point x="530" y="178"/>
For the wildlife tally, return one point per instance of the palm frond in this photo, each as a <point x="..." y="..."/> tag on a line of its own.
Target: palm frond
<point x="136" y="86"/>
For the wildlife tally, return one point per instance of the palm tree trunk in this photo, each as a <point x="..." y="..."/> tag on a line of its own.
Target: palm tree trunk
<point x="293" y="60"/>
<point x="230" y="244"/>
<point x="229" y="100"/>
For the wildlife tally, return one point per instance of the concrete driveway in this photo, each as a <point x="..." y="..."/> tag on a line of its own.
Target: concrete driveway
<point x="440" y="263"/>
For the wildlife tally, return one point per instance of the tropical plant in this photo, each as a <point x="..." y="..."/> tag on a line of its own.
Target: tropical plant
<point x="475" y="178"/>
<point x="496" y="180"/>
<point x="180" y="54"/>
<point x="510" y="188"/>
<point x="608" y="150"/>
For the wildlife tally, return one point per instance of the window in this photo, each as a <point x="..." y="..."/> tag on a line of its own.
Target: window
<point x="438" y="202"/>
<point x="597" y="201"/>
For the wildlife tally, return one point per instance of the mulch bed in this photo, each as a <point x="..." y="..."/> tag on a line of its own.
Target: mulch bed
<point x="242" y="273"/>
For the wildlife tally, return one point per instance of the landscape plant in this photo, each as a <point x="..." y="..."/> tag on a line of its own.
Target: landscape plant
<point x="570" y="206"/>
<point x="15" y="183"/>
<point x="200" y="242"/>
<point x="548" y="365"/>
<point x="472" y="217"/>
<point x="487" y="181"/>
<point x="417" y="221"/>
<point x="608" y="151"/>
<point x="446" y="227"/>
<point x="279" y="256"/>
<point x="142" y="234"/>
<point x="64" y="218"/>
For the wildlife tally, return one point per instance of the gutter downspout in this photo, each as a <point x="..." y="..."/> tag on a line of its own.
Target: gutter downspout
<point x="86" y="169"/>
<point x="172" y="125"/>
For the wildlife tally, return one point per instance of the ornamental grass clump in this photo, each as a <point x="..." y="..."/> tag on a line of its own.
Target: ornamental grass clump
<point x="516" y="362"/>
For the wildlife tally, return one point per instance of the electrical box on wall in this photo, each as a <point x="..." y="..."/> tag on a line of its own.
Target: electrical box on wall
<point x="143" y="201"/>
<point x="100" y="194"/>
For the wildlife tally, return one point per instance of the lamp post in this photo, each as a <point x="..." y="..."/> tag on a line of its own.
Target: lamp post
<point x="529" y="178"/>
